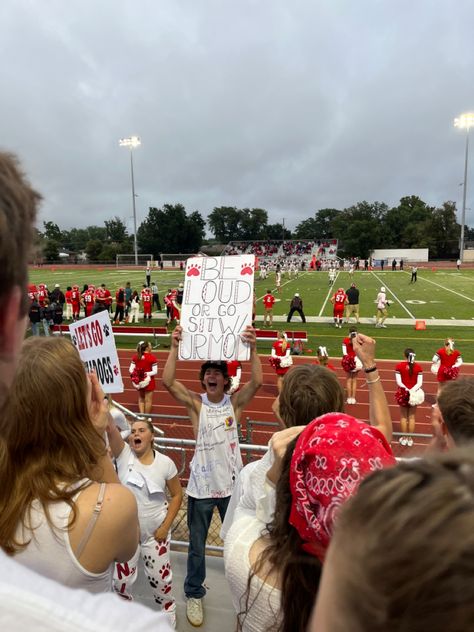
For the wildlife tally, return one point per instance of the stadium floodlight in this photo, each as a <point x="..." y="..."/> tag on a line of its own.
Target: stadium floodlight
<point x="465" y="121"/>
<point x="132" y="142"/>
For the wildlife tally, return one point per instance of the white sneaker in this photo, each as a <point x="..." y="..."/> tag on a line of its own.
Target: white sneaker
<point x="384" y="326"/>
<point x="410" y="441"/>
<point x="402" y="441"/>
<point x="194" y="611"/>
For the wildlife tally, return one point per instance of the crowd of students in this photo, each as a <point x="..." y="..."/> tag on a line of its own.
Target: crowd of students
<point x="324" y="533"/>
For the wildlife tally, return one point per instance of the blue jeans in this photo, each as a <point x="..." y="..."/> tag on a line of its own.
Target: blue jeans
<point x="46" y="326"/>
<point x="200" y="512"/>
<point x="35" y="329"/>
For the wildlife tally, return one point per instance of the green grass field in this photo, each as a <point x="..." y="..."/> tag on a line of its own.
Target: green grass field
<point x="441" y="298"/>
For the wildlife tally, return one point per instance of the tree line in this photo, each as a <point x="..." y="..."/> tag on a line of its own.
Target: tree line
<point x="360" y="229"/>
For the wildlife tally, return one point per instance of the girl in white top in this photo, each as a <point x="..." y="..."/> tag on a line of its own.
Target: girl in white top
<point x="149" y="475"/>
<point x="63" y="513"/>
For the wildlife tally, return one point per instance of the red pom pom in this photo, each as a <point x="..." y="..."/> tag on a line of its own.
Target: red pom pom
<point x="137" y="376"/>
<point x="402" y="396"/>
<point x="451" y="373"/>
<point x="275" y="362"/>
<point x="348" y="363"/>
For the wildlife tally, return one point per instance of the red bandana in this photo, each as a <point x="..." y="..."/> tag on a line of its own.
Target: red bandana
<point x="332" y="455"/>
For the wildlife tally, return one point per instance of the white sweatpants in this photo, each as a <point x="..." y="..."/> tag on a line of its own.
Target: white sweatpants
<point x="156" y="559"/>
<point x="68" y="311"/>
<point x="134" y="311"/>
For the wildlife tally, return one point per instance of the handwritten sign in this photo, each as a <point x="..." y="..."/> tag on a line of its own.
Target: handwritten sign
<point x="217" y="307"/>
<point x="94" y="339"/>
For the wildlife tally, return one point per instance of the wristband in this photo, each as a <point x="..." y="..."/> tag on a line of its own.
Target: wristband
<point x="372" y="368"/>
<point x="377" y="379"/>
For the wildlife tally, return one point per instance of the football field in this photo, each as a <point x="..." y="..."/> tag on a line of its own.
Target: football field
<point x="444" y="299"/>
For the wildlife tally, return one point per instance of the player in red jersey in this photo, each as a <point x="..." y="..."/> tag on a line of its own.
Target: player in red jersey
<point x="409" y="378"/>
<point x="339" y="300"/>
<point x="32" y="292"/>
<point x="351" y="365"/>
<point x="68" y="297"/>
<point x="88" y="299"/>
<point x="446" y="363"/>
<point x="76" y="302"/>
<point x="42" y="294"/>
<point x="268" y="302"/>
<point x="147" y="299"/>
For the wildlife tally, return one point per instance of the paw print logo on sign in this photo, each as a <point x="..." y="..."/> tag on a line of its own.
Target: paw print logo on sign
<point x="194" y="270"/>
<point x="247" y="268"/>
<point x="116" y="371"/>
<point x="106" y="331"/>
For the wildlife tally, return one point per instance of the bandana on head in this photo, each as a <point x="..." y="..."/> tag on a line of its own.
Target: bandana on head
<point x="331" y="457"/>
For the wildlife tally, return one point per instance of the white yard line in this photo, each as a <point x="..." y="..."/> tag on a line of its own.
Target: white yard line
<point x="447" y="289"/>
<point x="331" y="289"/>
<point x="394" y="295"/>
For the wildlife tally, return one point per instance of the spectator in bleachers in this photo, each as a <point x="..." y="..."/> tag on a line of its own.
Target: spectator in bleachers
<point x="53" y="517"/>
<point x="379" y="577"/>
<point x="273" y="565"/>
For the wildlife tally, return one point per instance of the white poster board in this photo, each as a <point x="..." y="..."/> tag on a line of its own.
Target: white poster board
<point x="217" y="307"/>
<point x="94" y="339"/>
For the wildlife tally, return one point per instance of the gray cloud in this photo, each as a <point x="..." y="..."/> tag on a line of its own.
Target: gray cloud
<point x="289" y="106"/>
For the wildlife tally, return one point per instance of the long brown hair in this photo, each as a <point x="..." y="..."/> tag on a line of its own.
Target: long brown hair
<point x="299" y="572"/>
<point x="48" y="441"/>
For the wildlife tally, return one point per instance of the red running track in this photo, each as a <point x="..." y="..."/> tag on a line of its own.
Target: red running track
<point x="259" y="408"/>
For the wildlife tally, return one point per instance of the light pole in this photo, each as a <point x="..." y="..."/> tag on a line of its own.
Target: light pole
<point x="465" y="121"/>
<point x="132" y="142"/>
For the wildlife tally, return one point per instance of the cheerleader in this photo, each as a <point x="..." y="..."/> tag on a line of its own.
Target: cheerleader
<point x="281" y="359"/>
<point x="234" y="371"/>
<point x="143" y="368"/>
<point x="446" y="362"/>
<point x="409" y="395"/>
<point x="149" y="475"/>
<point x="323" y="359"/>
<point x="351" y="365"/>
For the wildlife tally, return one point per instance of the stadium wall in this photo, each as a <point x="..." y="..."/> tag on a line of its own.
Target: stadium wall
<point x="407" y="254"/>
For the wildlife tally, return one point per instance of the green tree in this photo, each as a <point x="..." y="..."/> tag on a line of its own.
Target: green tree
<point x="171" y="230"/>
<point x="277" y="232"/>
<point x="50" y="249"/>
<point x="445" y="231"/>
<point x="52" y="231"/>
<point x="108" y="252"/>
<point x="93" y="249"/>
<point x="116" y="230"/>
<point x="224" y="222"/>
<point x="321" y="226"/>
<point x="399" y="223"/>
<point x="253" y="223"/>
<point x="359" y="228"/>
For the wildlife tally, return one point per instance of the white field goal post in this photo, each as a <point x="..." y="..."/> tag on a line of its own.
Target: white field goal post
<point x="129" y="260"/>
<point x="175" y="261"/>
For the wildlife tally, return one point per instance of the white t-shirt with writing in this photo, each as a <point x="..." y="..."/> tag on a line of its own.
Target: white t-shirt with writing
<point x="217" y="459"/>
<point x="381" y="300"/>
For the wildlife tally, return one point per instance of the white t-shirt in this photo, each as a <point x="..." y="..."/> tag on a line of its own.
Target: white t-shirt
<point x="217" y="459"/>
<point x="29" y="601"/>
<point x="148" y="484"/>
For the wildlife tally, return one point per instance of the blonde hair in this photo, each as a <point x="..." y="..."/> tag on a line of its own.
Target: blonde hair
<point x="405" y="549"/>
<point x="48" y="441"/>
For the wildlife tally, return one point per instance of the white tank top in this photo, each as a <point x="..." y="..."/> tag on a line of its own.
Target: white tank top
<point x="217" y="460"/>
<point x="49" y="552"/>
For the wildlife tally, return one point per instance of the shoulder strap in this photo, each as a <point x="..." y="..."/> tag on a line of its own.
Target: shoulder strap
<point x="93" y="519"/>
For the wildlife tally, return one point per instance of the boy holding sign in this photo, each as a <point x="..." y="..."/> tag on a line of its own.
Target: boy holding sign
<point x="217" y="461"/>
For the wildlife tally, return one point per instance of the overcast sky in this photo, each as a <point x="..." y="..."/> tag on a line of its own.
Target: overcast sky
<point x="287" y="105"/>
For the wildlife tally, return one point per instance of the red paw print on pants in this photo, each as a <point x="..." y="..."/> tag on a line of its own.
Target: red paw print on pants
<point x="162" y="549"/>
<point x="165" y="570"/>
<point x="166" y="589"/>
<point x="168" y="605"/>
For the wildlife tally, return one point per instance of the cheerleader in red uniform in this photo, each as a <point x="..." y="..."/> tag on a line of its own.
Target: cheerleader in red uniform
<point x="446" y="363"/>
<point x="351" y="365"/>
<point x="142" y="370"/>
<point x="281" y="359"/>
<point x="409" y="395"/>
<point x="323" y="359"/>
